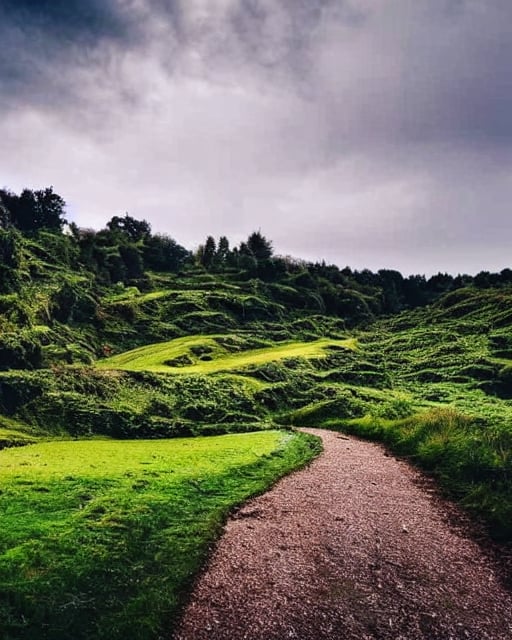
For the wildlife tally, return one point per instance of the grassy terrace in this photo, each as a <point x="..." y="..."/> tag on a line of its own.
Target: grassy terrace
<point x="100" y="539"/>
<point x="205" y="354"/>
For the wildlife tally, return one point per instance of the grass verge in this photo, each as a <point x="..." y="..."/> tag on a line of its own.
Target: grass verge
<point x="100" y="539"/>
<point x="195" y="355"/>
<point x="471" y="460"/>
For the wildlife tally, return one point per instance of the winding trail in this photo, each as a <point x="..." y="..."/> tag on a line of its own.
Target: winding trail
<point x="354" y="547"/>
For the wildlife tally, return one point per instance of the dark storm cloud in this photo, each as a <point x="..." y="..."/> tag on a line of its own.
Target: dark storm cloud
<point x="369" y="132"/>
<point x="85" y="19"/>
<point x="43" y="40"/>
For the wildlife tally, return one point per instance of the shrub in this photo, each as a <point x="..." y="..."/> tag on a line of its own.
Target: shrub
<point x="343" y="407"/>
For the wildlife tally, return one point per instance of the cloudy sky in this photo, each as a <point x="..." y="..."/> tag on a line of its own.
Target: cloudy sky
<point x="373" y="133"/>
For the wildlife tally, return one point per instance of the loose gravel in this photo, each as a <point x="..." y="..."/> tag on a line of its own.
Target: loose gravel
<point x="357" y="546"/>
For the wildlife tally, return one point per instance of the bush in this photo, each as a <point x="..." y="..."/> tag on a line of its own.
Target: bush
<point x="393" y="409"/>
<point x="16" y="391"/>
<point x="343" y="407"/>
<point x="19" y="352"/>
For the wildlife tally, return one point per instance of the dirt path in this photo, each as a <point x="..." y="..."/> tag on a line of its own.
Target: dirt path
<point x="351" y="548"/>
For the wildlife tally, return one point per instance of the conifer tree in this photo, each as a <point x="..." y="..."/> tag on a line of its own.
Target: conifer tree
<point x="209" y="252"/>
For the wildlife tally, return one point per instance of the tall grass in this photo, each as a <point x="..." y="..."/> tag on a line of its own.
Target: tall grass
<point x="471" y="459"/>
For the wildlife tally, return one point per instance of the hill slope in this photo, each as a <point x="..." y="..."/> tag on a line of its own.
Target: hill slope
<point x="250" y="347"/>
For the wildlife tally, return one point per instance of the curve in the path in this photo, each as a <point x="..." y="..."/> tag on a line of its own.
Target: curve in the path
<point x="351" y="548"/>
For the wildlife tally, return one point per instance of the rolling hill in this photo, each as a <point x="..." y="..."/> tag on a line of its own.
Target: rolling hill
<point x="253" y="345"/>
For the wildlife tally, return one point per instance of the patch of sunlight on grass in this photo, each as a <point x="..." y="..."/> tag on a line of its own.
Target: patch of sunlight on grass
<point x="156" y="357"/>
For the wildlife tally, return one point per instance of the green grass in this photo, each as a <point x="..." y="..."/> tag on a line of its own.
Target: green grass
<point x="204" y="354"/>
<point x="247" y="354"/>
<point x="100" y="539"/>
<point x="14" y="438"/>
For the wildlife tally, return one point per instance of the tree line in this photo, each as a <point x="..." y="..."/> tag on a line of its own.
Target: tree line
<point x="125" y="249"/>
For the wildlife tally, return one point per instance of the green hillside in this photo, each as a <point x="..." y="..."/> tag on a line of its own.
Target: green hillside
<point x="255" y="344"/>
<point x="249" y="342"/>
<point x="121" y="335"/>
<point x="198" y="355"/>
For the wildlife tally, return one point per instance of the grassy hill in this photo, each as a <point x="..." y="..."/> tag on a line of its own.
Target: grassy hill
<point x="100" y="539"/>
<point x="201" y="355"/>
<point x="199" y="351"/>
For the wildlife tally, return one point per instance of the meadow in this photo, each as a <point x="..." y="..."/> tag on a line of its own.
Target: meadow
<point x="101" y="538"/>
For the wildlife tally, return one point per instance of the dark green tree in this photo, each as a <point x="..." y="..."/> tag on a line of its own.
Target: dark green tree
<point x="208" y="254"/>
<point x="246" y="259"/>
<point x="133" y="262"/>
<point x="259" y="246"/>
<point x="162" y="253"/>
<point x="50" y="209"/>
<point x="5" y="218"/>
<point x="505" y="276"/>
<point x="10" y="260"/>
<point x="440" y="283"/>
<point x="415" y="291"/>
<point x="135" y="230"/>
<point x="392" y="283"/>
<point x="34" y="210"/>
<point x="222" y="254"/>
<point x="483" y="280"/>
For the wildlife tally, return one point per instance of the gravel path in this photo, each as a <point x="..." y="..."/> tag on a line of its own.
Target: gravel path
<point x="355" y="547"/>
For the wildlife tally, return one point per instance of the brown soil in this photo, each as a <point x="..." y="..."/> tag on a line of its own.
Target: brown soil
<point x="355" y="547"/>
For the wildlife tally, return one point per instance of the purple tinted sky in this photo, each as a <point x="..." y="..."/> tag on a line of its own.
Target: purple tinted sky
<point x="374" y="133"/>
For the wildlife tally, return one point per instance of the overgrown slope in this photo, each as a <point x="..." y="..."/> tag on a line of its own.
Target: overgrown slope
<point x="251" y="345"/>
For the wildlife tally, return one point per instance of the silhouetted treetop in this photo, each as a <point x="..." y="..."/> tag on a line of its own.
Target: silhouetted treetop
<point x="259" y="246"/>
<point x="135" y="229"/>
<point x="32" y="210"/>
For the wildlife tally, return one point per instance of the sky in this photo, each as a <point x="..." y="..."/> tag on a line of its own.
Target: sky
<point x="369" y="133"/>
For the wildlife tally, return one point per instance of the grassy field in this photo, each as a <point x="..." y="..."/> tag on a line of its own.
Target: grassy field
<point x="101" y="538"/>
<point x="207" y="354"/>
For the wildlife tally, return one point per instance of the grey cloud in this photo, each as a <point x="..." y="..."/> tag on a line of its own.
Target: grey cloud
<point x="419" y="72"/>
<point x="45" y="42"/>
<point x="368" y="132"/>
<point x="83" y="19"/>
